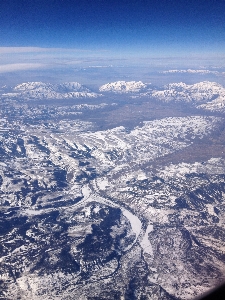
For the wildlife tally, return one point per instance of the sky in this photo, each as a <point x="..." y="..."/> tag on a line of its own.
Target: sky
<point x="125" y="26"/>
<point x="42" y="38"/>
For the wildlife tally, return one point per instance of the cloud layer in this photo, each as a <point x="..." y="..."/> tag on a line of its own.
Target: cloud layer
<point x="20" y="67"/>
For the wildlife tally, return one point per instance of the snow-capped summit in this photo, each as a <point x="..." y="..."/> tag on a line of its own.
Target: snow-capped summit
<point x="33" y="86"/>
<point x="41" y="90"/>
<point x="207" y="85"/>
<point x="201" y="92"/>
<point x="71" y="87"/>
<point x="176" y="85"/>
<point x="41" y="86"/>
<point x="124" y="87"/>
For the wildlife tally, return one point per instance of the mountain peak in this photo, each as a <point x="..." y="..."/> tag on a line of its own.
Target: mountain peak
<point x="41" y="90"/>
<point x="124" y="87"/>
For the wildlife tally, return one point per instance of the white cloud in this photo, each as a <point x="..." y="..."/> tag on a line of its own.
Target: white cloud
<point x="19" y="67"/>
<point x="17" y="50"/>
<point x="5" y="50"/>
<point x="19" y="57"/>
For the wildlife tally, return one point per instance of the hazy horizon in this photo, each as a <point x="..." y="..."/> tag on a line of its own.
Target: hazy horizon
<point x="38" y="37"/>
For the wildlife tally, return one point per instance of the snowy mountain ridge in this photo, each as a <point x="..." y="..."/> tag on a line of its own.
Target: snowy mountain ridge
<point x="41" y="90"/>
<point x="201" y="92"/>
<point x="111" y="200"/>
<point x="204" y="95"/>
<point x="66" y="87"/>
<point x="124" y="87"/>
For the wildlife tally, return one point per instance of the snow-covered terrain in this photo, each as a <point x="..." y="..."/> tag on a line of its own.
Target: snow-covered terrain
<point x="124" y="87"/>
<point x="217" y="105"/>
<point x="40" y="90"/>
<point x="205" y="95"/>
<point x="210" y="95"/>
<point x="200" y="92"/>
<point x="97" y="210"/>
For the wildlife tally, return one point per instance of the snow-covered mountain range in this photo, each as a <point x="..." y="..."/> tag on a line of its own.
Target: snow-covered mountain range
<point x="205" y="95"/>
<point x="97" y="207"/>
<point x="199" y="92"/>
<point x="125" y="87"/>
<point x="41" y="90"/>
<point x="82" y="215"/>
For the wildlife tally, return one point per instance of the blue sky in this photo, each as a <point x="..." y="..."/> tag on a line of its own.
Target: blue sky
<point x="62" y="40"/>
<point x="126" y="27"/>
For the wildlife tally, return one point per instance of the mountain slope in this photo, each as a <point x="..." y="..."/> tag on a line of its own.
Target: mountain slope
<point x="180" y="92"/>
<point x="40" y="90"/>
<point x="124" y="87"/>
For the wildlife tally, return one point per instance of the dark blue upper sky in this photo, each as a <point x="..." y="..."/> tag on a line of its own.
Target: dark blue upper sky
<point x="126" y="26"/>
